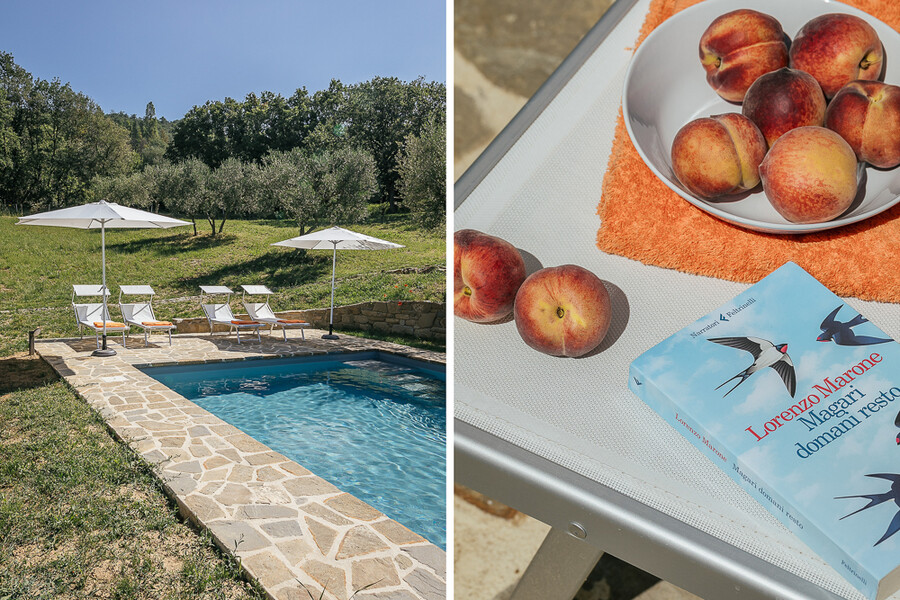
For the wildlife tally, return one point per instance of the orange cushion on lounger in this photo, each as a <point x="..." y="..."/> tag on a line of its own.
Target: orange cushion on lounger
<point x="156" y="323"/>
<point x="99" y="324"/>
<point x="292" y="321"/>
<point x="236" y="322"/>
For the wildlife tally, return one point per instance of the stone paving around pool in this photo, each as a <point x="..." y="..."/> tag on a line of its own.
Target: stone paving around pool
<point x="286" y="525"/>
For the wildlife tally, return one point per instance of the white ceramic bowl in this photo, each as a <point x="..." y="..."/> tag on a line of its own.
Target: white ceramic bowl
<point x="665" y="87"/>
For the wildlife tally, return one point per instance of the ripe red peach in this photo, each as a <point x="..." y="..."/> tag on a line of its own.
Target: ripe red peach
<point x="738" y="47"/>
<point x="487" y="273"/>
<point x="563" y="311"/>
<point x="836" y="49"/>
<point x="867" y="115"/>
<point x="718" y="155"/>
<point x="810" y="175"/>
<point x="782" y="100"/>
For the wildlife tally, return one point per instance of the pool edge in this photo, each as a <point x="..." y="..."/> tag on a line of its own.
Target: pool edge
<point x="252" y="519"/>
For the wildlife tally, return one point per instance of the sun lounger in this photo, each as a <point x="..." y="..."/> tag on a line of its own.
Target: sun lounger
<point x="262" y="312"/>
<point x="220" y="314"/>
<point x="140" y="314"/>
<point x="91" y="315"/>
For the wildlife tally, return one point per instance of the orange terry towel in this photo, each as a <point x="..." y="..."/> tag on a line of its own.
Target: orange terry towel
<point x="290" y="321"/>
<point x="156" y="323"/>
<point x="109" y="325"/>
<point x="644" y="220"/>
<point x="236" y="322"/>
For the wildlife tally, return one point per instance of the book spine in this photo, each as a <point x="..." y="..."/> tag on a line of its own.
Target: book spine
<point x="745" y="477"/>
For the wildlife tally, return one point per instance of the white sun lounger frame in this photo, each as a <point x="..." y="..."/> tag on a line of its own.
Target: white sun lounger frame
<point x="262" y="312"/>
<point x="139" y="313"/>
<point x="561" y="464"/>
<point x="220" y="313"/>
<point x="88" y="313"/>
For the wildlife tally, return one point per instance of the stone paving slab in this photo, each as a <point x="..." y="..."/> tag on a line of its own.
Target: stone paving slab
<point x="285" y="525"/>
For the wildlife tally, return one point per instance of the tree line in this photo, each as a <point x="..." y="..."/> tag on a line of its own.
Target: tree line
<point x="149" y="136"/>
<point x="316" y="158"/>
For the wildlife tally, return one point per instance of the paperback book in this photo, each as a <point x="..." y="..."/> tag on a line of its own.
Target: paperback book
<point x="796" y="396"/>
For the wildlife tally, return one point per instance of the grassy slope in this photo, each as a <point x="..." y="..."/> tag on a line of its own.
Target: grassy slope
<point x="38" y="266"/>
<point x="81" y="516"/>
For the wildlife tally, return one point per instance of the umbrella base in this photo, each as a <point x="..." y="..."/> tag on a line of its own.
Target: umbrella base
<point x="106" y="352"/>
<point x="330" y="336"/>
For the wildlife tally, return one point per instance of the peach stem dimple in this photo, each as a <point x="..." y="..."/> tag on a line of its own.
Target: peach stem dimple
<point x="867" y="62"/>
<point x="560" y="312"/>
<point x="467" y="291"/>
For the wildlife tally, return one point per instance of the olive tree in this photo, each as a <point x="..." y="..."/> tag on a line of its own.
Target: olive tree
<point x="328" y="187"/>
<point x="421" y="164"/>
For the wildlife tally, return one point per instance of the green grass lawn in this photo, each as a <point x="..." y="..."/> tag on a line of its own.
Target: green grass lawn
<point x="39" y="265"/>
<point x="82" y="516"/>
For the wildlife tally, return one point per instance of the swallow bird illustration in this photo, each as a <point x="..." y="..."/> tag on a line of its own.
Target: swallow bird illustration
<point x="765" y="354"/>
<point x="876" y="499"/>
<point x="897" y="423"/>
<point x="842" y="334"/>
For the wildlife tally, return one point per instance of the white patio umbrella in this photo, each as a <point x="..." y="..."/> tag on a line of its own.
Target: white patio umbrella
<point x="100" y="215"/>
<point x="334" y="239"/>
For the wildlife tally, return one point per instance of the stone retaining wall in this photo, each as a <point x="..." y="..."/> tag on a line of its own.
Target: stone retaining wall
<point x="424" y="320"/>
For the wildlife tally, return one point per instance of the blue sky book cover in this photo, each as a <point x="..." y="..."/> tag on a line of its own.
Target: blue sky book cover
<point x="797" y="397"/>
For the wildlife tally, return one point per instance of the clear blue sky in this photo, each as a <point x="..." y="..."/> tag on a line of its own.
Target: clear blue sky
<point x="181" y="53"/>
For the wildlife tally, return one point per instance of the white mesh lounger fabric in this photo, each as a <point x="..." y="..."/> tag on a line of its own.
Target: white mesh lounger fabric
<point x="220" y="314"/>
<point x="91" y="315"/>
<point x="262" y="312"/>
<point x="140" y="314"/>
<point x="583" y="431"/>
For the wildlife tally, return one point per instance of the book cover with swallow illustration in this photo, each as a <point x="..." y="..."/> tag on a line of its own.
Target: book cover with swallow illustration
<point x="781" y="385"/>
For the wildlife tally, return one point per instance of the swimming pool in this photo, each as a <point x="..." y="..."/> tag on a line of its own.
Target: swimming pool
<point x="371" y="423"/>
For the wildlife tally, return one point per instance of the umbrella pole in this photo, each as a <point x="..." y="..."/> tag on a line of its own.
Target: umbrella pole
<point x="330" y="335"/>
<point x="103" y="349"/>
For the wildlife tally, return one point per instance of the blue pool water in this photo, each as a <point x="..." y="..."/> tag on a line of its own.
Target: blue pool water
<point x="373" y="424"/>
